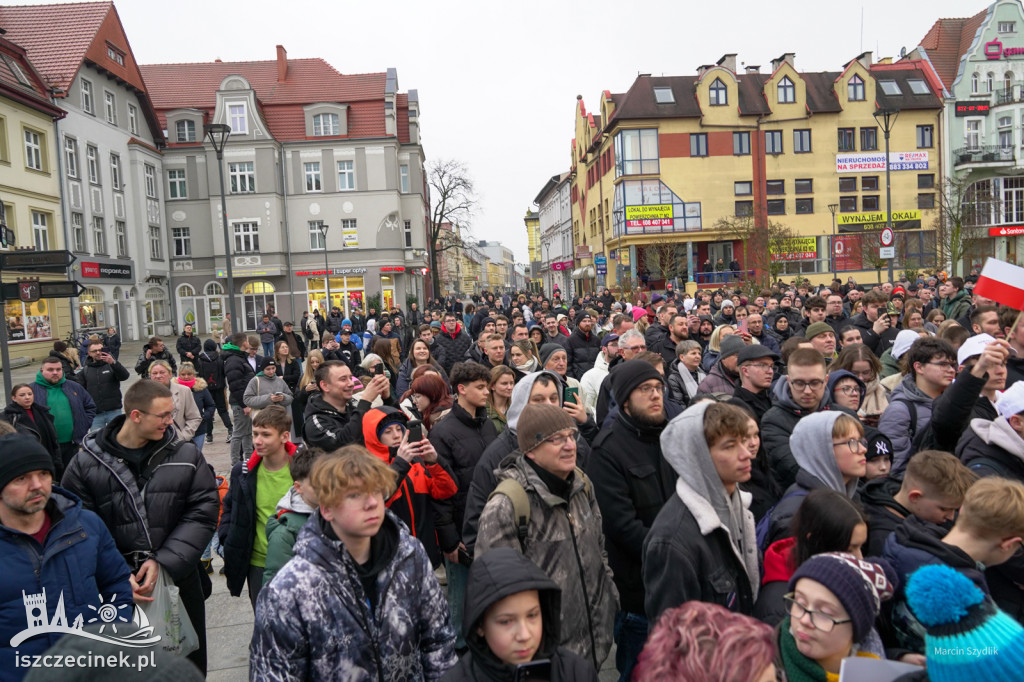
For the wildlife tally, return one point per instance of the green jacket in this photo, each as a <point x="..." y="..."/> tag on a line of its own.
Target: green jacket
<point x="282" y="529"/>
<point x="956" y="307"/>
<point x="890" y="365"/>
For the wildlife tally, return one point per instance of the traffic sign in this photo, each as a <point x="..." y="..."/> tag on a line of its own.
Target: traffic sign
<point x="72" y="289"/>
<point x="887" y="236"/>
<point x="887" y="252"/>
<point x="31" y="260"/>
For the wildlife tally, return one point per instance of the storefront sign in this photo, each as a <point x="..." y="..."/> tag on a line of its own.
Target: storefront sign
<point x="799" y="248"/>
<point x="393" y="268"/>
<point x="994" y="50"/>
<point x="335" y="271"/>
<point x="1005" y="231"/>
<point x="562" y="265"/>
<point x="659" y="215"/>
<point x="583" y="251"/>
<point x="875" y="220"/>
<point x="875" y="161"/>
<point x="972" y="108"/>
<point x="107" y="270"/>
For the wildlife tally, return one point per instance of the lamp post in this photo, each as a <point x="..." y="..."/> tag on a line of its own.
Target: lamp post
<point x="887" y="119"/>
<point x="218" y="134"/>
<point x="832" y="209"/>
<point x="323" y="227"/>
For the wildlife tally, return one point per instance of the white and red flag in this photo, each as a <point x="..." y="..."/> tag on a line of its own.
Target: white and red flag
<point x="1001" y="282"/>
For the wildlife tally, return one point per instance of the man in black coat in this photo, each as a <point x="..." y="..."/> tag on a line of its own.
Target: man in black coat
<point x="154" y="350"/>
<point x="332" y="419"/>
<point x="211" y="369"/>
<point x="582" y="346"/>
<point x="102" y="377"/>
<point x="240" y="365"/>
<point x="189" y="346"/>
<point x="454" y="340"/>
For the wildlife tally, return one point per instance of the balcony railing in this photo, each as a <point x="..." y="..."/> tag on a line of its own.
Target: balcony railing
<point x="983" y="154"/>
<point x="1014" y="93"/>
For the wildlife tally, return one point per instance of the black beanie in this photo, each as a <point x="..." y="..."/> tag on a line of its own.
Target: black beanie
<point x="549" y="349"/>
<point x="630" y="374"/>
<point x="20" y="454"/>
<point x="209" y="345"/>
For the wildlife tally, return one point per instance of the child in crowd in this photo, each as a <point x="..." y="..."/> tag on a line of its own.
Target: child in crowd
<point x="293" y="510"/>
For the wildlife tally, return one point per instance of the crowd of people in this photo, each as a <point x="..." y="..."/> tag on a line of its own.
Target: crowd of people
<point x="723" y="485"/>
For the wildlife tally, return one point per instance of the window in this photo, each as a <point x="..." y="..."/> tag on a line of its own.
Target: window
<point x="87" y="103"/>
<point x="743" y="188"/>
<point x="349" y="236"/>
<point x="804" y="206"/>
<point x="78" y="231"/>
<point x="40" y="231"/>
<point x="868" y="183"/>
<point x="918" y="86"/>
<point x="408" y="234"/>
<point x="719" y="94"/>
<point x="869" y="202"/>
<point x="33" y="150"/>
<point x="636" y="152"/>
<point x="855" y="89"/>
<point x="186" y="131"/>
<point x="663" y="95"/>
<point x="890" y="87"/>
<point x="786" y="91"/>
<point x="156" y="248"/>
<point x="974" y="83"/>
<point x="973" y="133"/>
<point x="182" y="238"/>
<point x="99" y="236"/>
<point x="121" y="235"/>
<point x="868" y="139"/>
<point x="847" y="141"/>
<point x="313" y="183"/>
<point x="176" y="184"/>
<point x="403" y="178"/>
<point x="247" y="238"/>
<point x="149" y="173"/>
<point x="237" y="119"/>
<point x="1005" y="139"/>
<point x="71" y="156"/>
<point x="744" y="208"/>
<point x="775" y="187"/>
<point x="326" y="124"/>
<point x="92" y="159"/>
<point x="990" y="79"/>
<point x="133" y="119"/>
<point x="926" y="200"/>
<point x="317" y="239"/>
<point x="346" y="175"/>
<point x="741" y="144"/>
<point x="925" y="135"/>
<point x="848" y="204"/>
<point x="802" y="141"/>
<point x="1005" y="121"/>
<point x="243" y="177"/>
<point x="926" y="181"/>
<point x="698" y="144"/>
<point x="773" y="142"/>
<point x="776" y="207"/>
<point x="115" y="55"/>
<point x="115" y="171"/>
<point x="803" y="186"/>
<point x="847" y="184"/>
<point x="1007" y="26"/>
<point x="110" y="107"/>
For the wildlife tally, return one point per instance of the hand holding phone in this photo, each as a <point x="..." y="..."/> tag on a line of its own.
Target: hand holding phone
<point x="415" y="431"/>
<point x="534" y="671"/>
<point x="570" y="395"/>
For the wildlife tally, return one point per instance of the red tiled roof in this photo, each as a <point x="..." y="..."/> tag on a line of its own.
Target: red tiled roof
<point x="947" y="41"/>
<point x="21" y="82"/>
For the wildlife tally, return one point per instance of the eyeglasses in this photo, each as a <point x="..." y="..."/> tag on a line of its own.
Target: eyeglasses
<point x="848" y="390"/>
<point x="166" y="417"/>
<point x="821" y="621"/>
<point x="799" y="385"/>
<point x="866" y="375"/>
<point x="853" y="443"/>
<point x="559" y="439"/>
<point x="648" y="390"/>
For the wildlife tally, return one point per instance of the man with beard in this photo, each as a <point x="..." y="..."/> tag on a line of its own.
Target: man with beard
<point x="678" y="330"/>
<point x="707" y="325"/>
<point x="632" y="481"/>
<point x="723" y="377"/>
<point x="755" y="327"/>
<point x="583" y="346"/>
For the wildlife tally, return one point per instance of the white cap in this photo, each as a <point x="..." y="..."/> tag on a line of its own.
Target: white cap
<point x="904" y="340"/>
<point x="689" y="304"/>
<point x="973" y="346"/>
<point x="1011" y="402"/>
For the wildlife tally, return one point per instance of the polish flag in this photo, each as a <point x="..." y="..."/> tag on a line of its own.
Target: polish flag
<point x="1002" y="282"/>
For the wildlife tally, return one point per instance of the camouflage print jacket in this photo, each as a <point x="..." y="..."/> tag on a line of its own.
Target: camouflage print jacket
<point x="313" y="621"/>
<point x="588" y="605"/>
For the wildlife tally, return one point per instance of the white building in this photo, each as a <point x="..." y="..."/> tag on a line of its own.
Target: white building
<point x="555" y="210"/>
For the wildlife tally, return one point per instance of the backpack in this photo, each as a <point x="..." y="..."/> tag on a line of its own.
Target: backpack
<point x="765" y="524"/>
<point x="514" y="491"/>
<point x="925" y="440"/>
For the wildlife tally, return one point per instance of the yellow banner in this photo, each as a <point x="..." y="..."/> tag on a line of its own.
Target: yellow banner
<point x="648" y="212"/>
<point x="876" y="217"/>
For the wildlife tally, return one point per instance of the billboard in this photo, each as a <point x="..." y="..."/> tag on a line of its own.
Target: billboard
<point x="867" y="162"/>
<point x="658" y="215"/>
<point x="875" y="220"/>
<point x="798" y="248"/>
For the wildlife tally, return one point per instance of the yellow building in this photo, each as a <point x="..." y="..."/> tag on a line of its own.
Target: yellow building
<point x="30" y="199"/>
<point x="682" y="171"/>
<point x="532" y="221"/>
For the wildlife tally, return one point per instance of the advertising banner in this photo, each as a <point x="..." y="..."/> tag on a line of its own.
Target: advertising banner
<point x="659" y="215"/>
<point x="866" y="162"/>
<point x="848" y="252"/>
<point x="875" y="220"/>
<point x="799" y="248"/>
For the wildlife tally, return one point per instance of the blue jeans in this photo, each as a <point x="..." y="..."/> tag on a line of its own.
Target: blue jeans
<point x="268" y="349"/>
<point x="103" y="418"/>
<point x="199" y="439"/>
<point x="630" y="633"/>
<point x="457" y="575"/>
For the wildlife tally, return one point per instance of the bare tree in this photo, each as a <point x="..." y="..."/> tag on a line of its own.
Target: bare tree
<point x="765" y="246"/>
<point x="453" y="202"/>
<point x="963" y="207"/>
<point x="664" y="256"/>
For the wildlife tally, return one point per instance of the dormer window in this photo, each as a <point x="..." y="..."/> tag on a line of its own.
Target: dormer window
<point x="237" y="119"/>
<point x="786" y="91"/>
<point x="719" y="93"/>
<point x="855" y="89"/>
<point x="325" y="125"/>
<point x="185" y="131"/>
<point x="326" y="119"/>
<point x="115" y="55"/>
<point x="663" y="95"/>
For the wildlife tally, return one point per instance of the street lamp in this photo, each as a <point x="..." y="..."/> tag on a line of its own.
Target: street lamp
<point x="323" y="227"/>
<point x="832" y="209"/>
<point x="887" y="119"/>
<point x="218" y="134"/>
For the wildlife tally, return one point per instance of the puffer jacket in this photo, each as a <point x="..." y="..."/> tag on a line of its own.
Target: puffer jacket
<point x="718" y="381"/>
<point x="142" y="366"/>
<point x="237" y="372"/>
<point x="896" y="420"/>
<point x="777" y="426"/>
<point x="502" y="573"/>
<point x="171" y="518"/>
<point x="565" y="539"/>
<point x="78" y="565"/>
<point x="39" y="425"/>
<point x="454" y="346"/>
<point x="189" y="343"/>
<point x="677" y="387"/>
<point x="582" y="350"/>
<point x="103" y="382"/>
<point x="313" y="620"/>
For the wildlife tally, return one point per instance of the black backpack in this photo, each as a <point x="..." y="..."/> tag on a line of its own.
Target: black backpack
<point x="923" y="440"/>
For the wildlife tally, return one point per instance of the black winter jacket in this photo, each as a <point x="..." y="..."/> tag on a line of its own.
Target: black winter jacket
<point x="39" y="426"/>
<point x="171" y="518"/>
<point x="885" y="514"/>
<point x="291" y="373"/>
<point x="327" y="428"/>
<point x="211" y="369"/>
<point x="189" y="343"/>
<point x="459" y="439"/>
<point x="454" y="346"/>
<point x="103" y="382"/>
<point x="142" y="366"/>
<point x="777" y="426"/>
<point x="582" y="350"/>
<point x="237" y="373"/>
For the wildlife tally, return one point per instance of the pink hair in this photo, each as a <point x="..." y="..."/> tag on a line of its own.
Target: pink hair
<point x="700" y="642"/>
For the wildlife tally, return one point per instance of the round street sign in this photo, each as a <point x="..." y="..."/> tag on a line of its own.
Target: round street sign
<point x="887" y="236"/>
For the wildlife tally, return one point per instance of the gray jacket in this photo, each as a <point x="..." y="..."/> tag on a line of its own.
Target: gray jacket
<point x="261" y="388"/>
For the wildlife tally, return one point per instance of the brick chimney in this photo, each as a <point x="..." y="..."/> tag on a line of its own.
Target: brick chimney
<point x="282" y="64"/>
<point x="728" y="61"/>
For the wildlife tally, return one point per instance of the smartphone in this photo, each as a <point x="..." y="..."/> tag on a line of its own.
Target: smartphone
<point x="277" y="393"/>
<point x="466" y="560"/>
<point x="379" y="369"/>
<point x="415" y="431"/>
<point x="570" y="395"/>
<point x="743" y="326"/>
<point x="536" y="671"/>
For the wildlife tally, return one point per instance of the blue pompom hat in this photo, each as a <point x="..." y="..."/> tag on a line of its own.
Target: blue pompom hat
<point x="968" y="637"/>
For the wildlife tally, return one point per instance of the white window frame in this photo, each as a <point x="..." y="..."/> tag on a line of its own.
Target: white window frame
<point x="407" y="229"/>
<point x="110" y="107"/>
<point x="246" y="237"/>
<point x="40" y="231"/>
<point x="121" y="235"/>
<point x="238" y="120"/>
<point x="184" y="131"/>
<point x="115" y="171"/>
<point x="78" y="232"/>
<point x="156" y="251"/>
<point x="133" y="119"/>
<point x="314" y="181"/>
<point x="33" y="150"/>
<point x="973" y="128"/>
<point x="182" y="239"/>
<point x="99" y="235"/>
<point x="1007" y="27"/>
<point x="92" y="157"/>
<point x="88" y="103"/>
<point x="149" y="172"/>
<point x="317" y="239"/>
<point x="403" y="178"/>
<point x="242" y="177"/>
<point x="71" y="156"/>
<point x="346" y="176"/>
<point x="332" y="128"/>
<point x="177" y="186"/>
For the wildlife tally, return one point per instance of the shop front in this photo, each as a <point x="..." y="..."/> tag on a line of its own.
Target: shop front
<point x="387" y="285"/>
<point x="347" y="289"/>
<point x="97" y="307"/>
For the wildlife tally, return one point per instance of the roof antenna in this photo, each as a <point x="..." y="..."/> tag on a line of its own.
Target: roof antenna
<point x="862" y="29"/>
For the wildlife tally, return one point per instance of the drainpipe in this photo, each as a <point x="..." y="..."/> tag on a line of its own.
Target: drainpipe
<point x="288" y="240"/>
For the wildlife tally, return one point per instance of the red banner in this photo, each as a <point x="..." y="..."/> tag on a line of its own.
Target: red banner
<point x="848" y="253"/>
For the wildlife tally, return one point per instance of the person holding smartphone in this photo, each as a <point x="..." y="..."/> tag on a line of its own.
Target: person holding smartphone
<point x="102" y="377"/>
<point x="511" y="625"/>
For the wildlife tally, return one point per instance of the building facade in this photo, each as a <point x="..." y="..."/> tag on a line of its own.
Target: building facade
<point x="556" y="239"/>
<point x="324" y="181"/>
<point x="533" y="277"/>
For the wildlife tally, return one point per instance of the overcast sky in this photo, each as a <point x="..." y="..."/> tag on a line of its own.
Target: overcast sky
<point x="498" y="84"/>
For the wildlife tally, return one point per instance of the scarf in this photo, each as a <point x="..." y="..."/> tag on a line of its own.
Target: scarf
<point x="875" y="400"/>
<point x="689" y="381"/>
<point x="190" y="383"/>
<point x="527" y="368"/>
<point x="798" y="667"/>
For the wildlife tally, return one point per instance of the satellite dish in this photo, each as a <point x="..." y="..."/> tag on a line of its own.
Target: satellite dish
<point x="903" y="52"/>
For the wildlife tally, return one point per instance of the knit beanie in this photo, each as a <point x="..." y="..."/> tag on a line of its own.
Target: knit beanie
<point x="860" y="585"/>
<point x="22" y="454"/>
<point x="549" y="349"/>
<point x="817" y="329"/>
<point x="538" y="423"/>
<point x="967" y="636"/>
<point x="731" y="345"/>
<point x="396" y="417"/>
<point x="630" y="374"/>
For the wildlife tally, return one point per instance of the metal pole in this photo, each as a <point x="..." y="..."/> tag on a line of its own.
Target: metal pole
<point x="235" y="323"/>
<point x="327" y="269"/>
<point x="5" y="355"/>
<point x="832" y="209"/>
<point x="888" y="187"/>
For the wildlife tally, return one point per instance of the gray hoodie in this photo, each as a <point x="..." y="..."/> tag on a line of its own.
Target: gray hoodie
<point x="521" y="396"/>
<point x="813" y="451"/>
<point x="998" y="432"/>
<point x="261" y="388"/>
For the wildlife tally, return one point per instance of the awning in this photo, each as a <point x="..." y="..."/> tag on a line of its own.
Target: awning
<point x="586" y="272"/>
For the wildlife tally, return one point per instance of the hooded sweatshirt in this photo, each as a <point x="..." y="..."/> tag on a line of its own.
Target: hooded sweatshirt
<point x="777" y="427"/>
<point x="283" y="527"/>
<point x="895" y="421"/>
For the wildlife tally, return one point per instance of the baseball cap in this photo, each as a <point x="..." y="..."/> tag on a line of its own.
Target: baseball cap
<point x="973" y="346"/>
<point x="609" y="338"/>
<point x="1011" y="401"/>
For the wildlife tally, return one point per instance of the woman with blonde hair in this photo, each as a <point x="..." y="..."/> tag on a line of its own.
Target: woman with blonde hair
<point x="187" y="418"/>
<point x="305" y="387"/>
<point x="203" y="398"/>
<point x="503" y="380"/>
<point x="524" y="356"/>
<point x="714" y="348"/>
